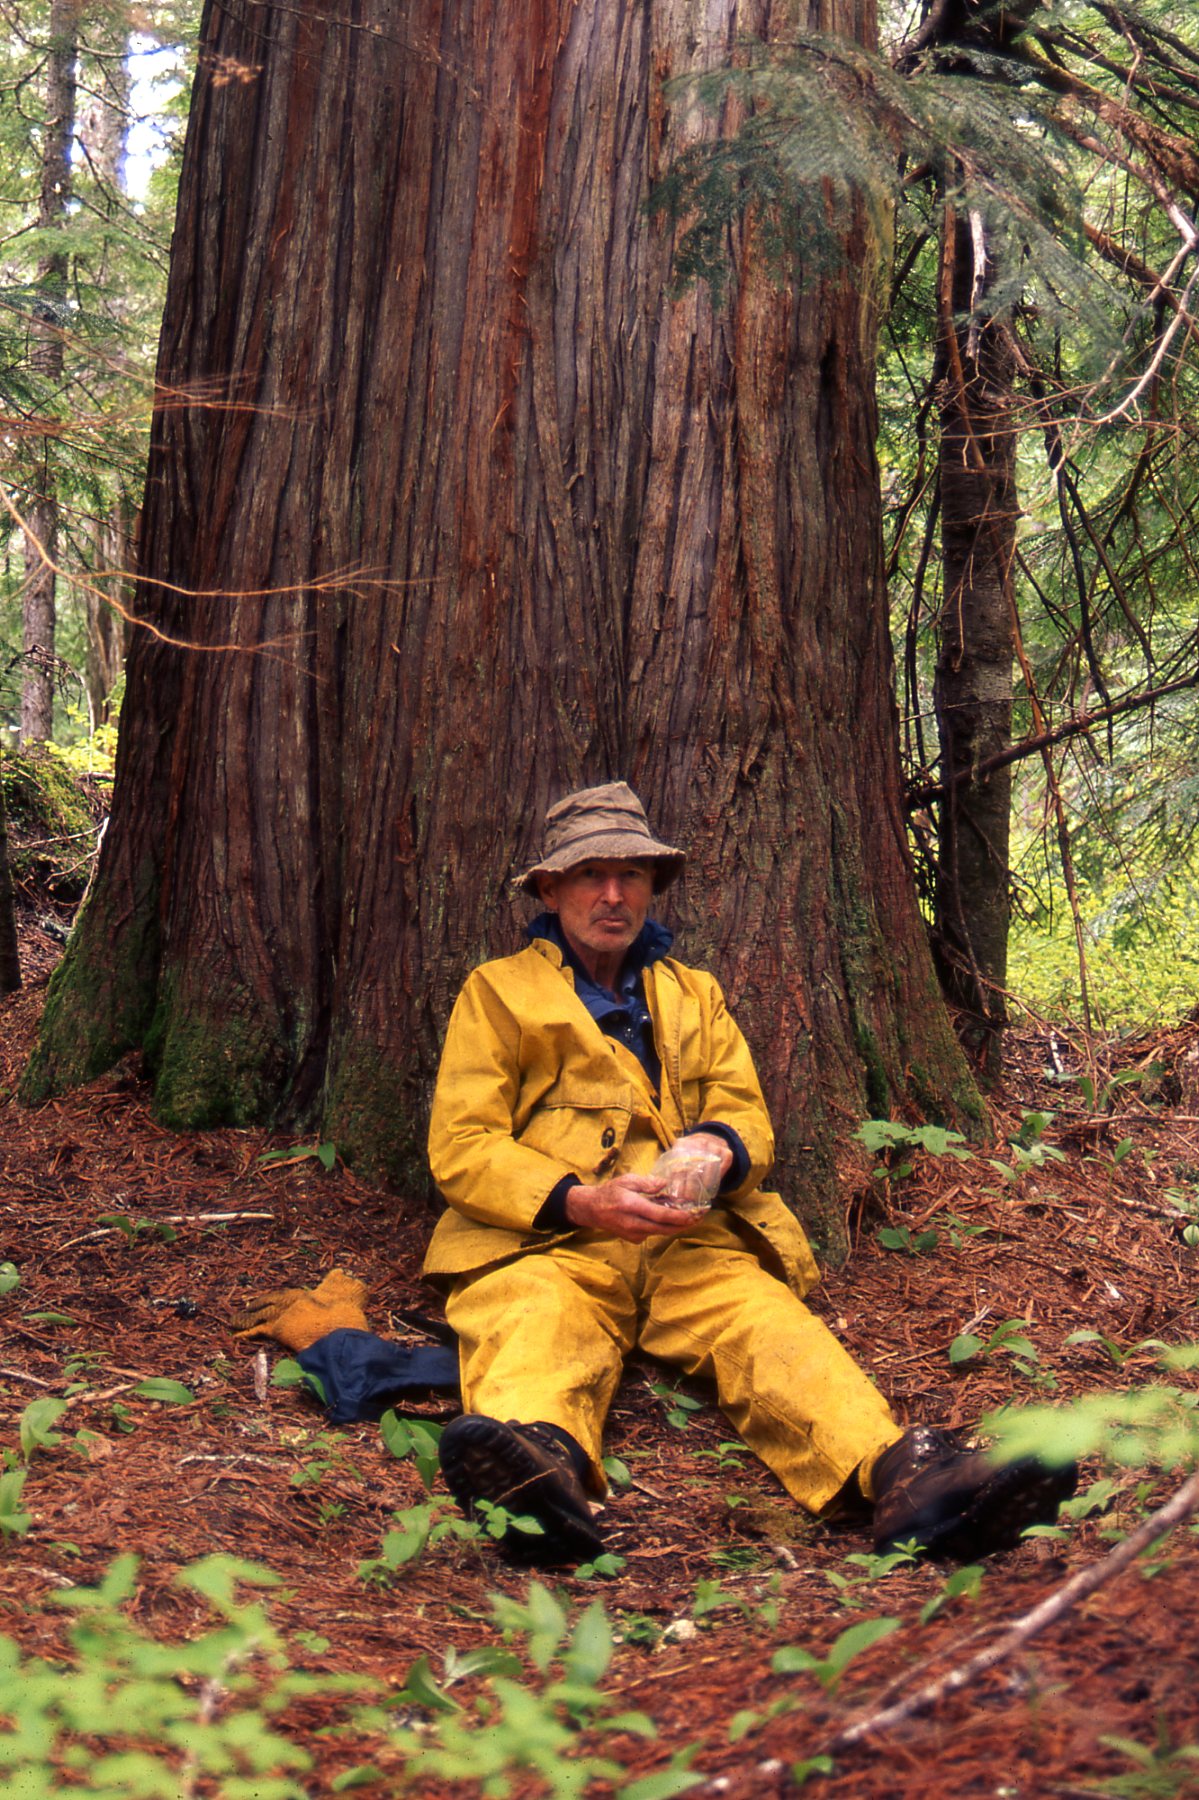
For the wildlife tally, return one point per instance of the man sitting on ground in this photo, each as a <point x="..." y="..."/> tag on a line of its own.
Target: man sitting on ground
<point x="567" y="1070"/>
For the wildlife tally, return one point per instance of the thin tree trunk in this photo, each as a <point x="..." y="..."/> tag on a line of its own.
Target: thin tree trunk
<point x="530" y="521"/>
<point x="103" y="130"/>
<point x="10" y="958"/>
<point x="976" y="646"/>
<point x="46" y="358"/>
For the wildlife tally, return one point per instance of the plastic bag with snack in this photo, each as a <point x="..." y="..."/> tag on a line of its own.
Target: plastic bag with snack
<point x="692" y="1175"/>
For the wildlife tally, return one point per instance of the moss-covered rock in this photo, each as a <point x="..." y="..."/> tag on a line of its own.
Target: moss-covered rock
<point x="52" y="814"/>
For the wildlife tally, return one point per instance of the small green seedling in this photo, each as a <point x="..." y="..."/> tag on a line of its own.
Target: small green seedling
<point x="1158" y="1773"/>
<point x="421" y="1688"/>
<point x="13" y="1522"/>
<point x="1118" y="1355"/>
<point x="793" y="1659"/>
<point x="802" y="1772"/>
<point x="729" y="1454"/>
<point x="415" y="1438"/>
<point x="870" y="1567"/>
<point x="899" y="1237"/>
<point x="324" y="1154"/>
<point x="1144" y="1078"/>
<point x="37" y="1421"/>
<point x="132" y="1229"/>
<point x="958" y="1230"/>
<point x="606" y="1564"/>
<point x="326" y="1456"/>
<point x="679" y="1407"/>
<point x="964" y="1583"/>
<point x="1006" y="1339"/>
<point x="10" y="1278"/>
<point x="165" y="1391"/>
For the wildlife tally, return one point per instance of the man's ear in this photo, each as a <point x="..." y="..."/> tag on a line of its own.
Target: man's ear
<point x="547" y="890"/>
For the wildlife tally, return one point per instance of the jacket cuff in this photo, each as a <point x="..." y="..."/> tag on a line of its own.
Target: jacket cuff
<point x="738" y="1168"/>
<point x="552" y="1215"/>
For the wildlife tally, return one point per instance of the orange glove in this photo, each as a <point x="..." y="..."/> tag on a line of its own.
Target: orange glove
<point x="297" y="1317"/>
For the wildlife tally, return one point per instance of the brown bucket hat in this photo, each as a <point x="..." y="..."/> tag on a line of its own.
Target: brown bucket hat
<point x="607" y="821"/>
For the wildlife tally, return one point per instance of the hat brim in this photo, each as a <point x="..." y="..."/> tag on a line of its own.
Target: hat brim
<point x="667" y="859"/>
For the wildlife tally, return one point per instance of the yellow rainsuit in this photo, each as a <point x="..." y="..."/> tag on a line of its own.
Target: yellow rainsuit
<point x="530" y="1090"/>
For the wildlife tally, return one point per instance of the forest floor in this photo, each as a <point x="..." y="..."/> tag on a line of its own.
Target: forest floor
<point x="720" y="1570"/>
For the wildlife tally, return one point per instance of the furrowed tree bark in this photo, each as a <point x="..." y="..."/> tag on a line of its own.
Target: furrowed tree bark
<point x="475" y="511"/>
<point x="46" y="358"/>
<point x="976" y="645"/>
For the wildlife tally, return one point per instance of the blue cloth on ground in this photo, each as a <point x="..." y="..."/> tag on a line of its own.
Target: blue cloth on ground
<point x="362" y="1374"/>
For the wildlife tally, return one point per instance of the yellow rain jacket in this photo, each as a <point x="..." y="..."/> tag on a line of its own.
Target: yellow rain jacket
<point x="531" y="1090"/>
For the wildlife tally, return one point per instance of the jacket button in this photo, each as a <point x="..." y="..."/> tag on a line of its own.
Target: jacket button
<point x="609" y="1137"/>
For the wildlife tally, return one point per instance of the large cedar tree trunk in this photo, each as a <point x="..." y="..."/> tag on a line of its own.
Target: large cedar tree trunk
<point x="476" y="512"/>
<point x="976" y="641"/>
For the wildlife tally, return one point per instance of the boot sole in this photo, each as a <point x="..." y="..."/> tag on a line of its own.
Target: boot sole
<point x="483" y="1459"/>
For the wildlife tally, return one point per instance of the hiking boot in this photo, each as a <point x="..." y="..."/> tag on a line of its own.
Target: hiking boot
<point x="961" y="1503"/>
<point x="527" y="1469"/>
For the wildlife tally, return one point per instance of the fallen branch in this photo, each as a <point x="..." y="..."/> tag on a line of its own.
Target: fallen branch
<point x="1178" y="1508"/>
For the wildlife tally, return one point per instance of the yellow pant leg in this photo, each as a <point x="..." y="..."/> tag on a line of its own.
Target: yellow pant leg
<point x="545" y="1337"/>
<point x="792" y="1391"/>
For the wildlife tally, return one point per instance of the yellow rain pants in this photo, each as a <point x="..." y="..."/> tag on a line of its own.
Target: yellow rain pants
<point x="545" y="1337"/>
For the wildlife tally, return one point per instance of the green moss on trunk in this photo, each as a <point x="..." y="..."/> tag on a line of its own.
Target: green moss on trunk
<point x="214" y="1061"/>
<point x="101" y="995"/>
<point x="377" y="1115"/>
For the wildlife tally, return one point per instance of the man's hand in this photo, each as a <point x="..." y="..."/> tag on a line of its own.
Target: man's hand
<point x="708" y="1140"/>
<point x="625" y="1207"/>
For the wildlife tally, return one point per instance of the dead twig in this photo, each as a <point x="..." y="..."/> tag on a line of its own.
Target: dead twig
<point x="1178" y="1508"/>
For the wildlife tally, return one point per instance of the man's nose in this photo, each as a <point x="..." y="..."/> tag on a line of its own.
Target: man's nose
<point x="611" y="892"/>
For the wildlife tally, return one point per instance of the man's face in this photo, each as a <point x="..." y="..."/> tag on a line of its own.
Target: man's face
<point x="601" y="905"/>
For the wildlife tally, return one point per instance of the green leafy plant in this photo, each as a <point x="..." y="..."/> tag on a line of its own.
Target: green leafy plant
<point x="730" y="1454"/>
<point x="132" y="1229"/>
<point x="419" y="1528"/>
<point x="415" y="1438"/>
<point x="607" y="1564"/>
<point x="899" y="1237"/>
<point x="324" y="1154"/>
<point x="1116" y="1353"/>
<point x="1144" y="1078"/>
<point x="868" y="1568"/>
<point x="325" y="1455"/>
<point x="13" y="1522"/>
<point x="1007" y="1339"/>
<point x="1151" y="1426"/>
<point x="165" y="1391"/>
<point x="287" y="1373"/>
<point x="421" y="1688"/>
<point x="36" y="1428"/>
<point x="793" y="1659"/>
<point x="10" y="1278"/>
<point x="638" y="1628"/>
<point x="892" y="1143"/>
<point x="131" y="1716"/>
<point x="679" y="1407"/>
<point x="512" y="1729"/>
<point x="964" y="1583"/>
<point x="1159" y="1772"/>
